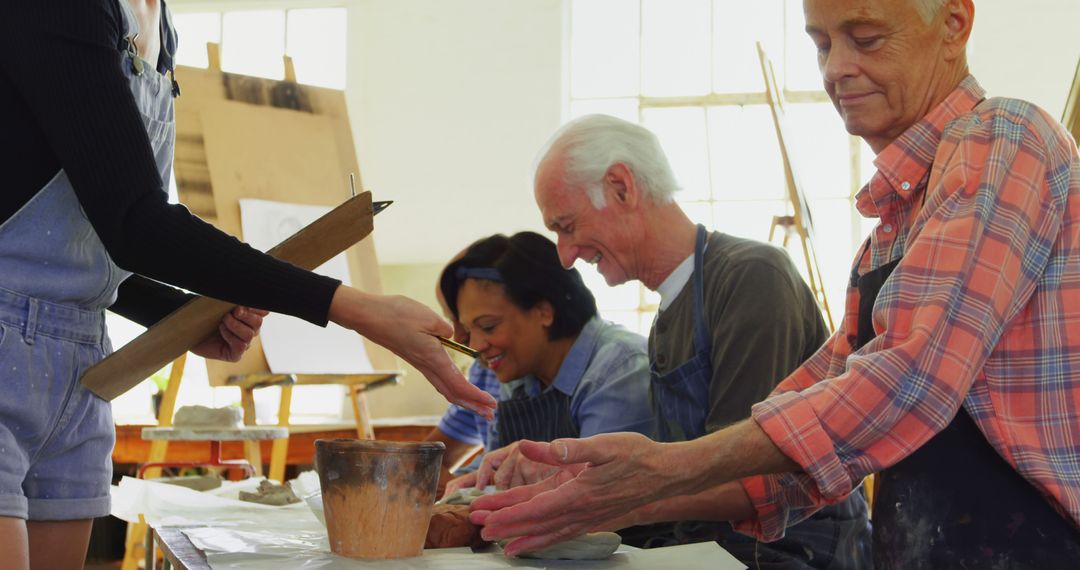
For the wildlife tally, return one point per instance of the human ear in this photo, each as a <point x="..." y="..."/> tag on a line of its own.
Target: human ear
<point x="620" y="184"/>
<point x="547" y="313"/>
<point x="959" y="17"/>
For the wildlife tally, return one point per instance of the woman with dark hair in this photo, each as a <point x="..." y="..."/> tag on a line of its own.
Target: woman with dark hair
<point x="564" y="371"/>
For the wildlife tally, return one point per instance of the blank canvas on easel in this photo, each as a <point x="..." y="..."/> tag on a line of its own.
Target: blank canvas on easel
<point x="292" y="345"/>
<point x="246" y="137"/>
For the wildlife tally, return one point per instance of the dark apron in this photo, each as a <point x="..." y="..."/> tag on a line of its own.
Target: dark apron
<point x="546" y="417"/>
<point x="836" y="537"/>
<point x="955" y="502"/>
<point x="680" y="398"/>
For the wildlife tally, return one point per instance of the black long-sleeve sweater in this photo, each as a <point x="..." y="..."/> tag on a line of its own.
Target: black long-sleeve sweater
<point x="65" y="104"/>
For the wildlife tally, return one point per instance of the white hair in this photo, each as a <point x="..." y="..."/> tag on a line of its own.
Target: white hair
<point x="928" y="8"/>
<point x="591" y="144"/>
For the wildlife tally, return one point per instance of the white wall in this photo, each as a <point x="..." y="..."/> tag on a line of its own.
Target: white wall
<point x="1027" y="49"/>
<point x="450" y="100"/>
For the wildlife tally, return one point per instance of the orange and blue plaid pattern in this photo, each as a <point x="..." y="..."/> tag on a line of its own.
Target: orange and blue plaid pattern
<point x="982" y="201"/>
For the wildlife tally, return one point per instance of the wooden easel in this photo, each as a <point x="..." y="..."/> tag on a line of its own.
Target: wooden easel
<point x="1071" y="117"/>
<point x="801" y="223"/>
<point x="202" y="88"/>
<point x="214" y="102"/>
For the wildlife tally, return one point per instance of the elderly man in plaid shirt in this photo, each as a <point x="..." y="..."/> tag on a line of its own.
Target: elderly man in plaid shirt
<point x="955" y="374"/>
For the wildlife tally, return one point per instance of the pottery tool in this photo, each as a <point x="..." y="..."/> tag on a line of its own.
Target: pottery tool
<point x="467" y="351"/>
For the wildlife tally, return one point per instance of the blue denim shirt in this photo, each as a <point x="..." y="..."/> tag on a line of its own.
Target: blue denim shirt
<point x="606" y="375"/>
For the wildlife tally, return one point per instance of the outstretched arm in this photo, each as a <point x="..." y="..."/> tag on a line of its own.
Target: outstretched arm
<point x="623" y="472"/>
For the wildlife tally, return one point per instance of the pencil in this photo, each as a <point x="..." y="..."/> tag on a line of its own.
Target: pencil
<point x="458" y="347"/>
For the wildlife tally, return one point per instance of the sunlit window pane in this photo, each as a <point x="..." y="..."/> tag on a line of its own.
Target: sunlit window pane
<point x="725" y="155"/>
<point x="619" y="298"/>
<point x="866" y="162"/>
<point x="750" y="218"/>
<point x="834" y="246"/>
<point x="675" y="47"/>
<point x="737" y="26"/>
<point x="682" y="133"/>
<point x="316" y="42"/>
<point x="646" y="319"/>
<point x="820" y="150"/>
<point x="604" y="37"/>
<point x="801" y="72"/>
<point x="625" y="109"/>
<point x="253" y="43"/>
<point x="628" y="319"/>
<point x="746" y="160"/>
<point x="866" y="171"/>
<point x="195" y="30"/>
<point x="651" y="297"/>
<point x="700" y="213"/>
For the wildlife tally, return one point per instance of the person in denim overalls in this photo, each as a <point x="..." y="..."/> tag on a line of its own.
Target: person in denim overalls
<point x="56" y="437"/>
<point x="79" y="210"/>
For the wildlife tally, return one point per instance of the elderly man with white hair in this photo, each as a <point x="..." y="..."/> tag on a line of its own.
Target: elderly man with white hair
<point x="954" y="372"/>
<point x="735" y="316"/>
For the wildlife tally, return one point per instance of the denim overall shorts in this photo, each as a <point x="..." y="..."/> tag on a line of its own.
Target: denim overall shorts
<point x="56" y="280"/>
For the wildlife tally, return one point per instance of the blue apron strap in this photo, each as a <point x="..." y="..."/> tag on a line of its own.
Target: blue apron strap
<point x="702" y="338"/>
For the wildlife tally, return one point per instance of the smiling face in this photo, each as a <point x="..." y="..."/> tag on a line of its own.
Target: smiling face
<point x="883" y="66"/>
<point x="603" y="237"/>
<point x="513" y="342"/>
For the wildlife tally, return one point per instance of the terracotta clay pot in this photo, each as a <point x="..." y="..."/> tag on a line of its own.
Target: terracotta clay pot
<point x="377" y="495"/>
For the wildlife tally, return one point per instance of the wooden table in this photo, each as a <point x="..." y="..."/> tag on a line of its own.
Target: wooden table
<point x="180" y="553"/>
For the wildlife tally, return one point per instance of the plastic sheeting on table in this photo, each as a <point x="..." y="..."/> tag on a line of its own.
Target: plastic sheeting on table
<point x="238" y="535"/>
<point x="249" y="550"/>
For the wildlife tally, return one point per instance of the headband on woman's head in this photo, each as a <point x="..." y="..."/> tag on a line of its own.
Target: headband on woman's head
<point x="485" y="273"/>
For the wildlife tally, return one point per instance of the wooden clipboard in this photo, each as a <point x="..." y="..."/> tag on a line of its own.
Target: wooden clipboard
<point x="189" y="325"/>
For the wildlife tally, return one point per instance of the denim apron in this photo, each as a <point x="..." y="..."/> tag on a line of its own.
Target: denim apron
<point x="955" y="502"/>
<point x="680" y="398"/>
<point x="56" y="280"/>
<point x="837" y="536"/>
<point x="545" y="417"/>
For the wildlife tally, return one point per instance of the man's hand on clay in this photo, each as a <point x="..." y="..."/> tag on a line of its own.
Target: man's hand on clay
<point x="623" y="471"/>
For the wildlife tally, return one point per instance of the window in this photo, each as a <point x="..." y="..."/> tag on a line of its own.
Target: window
<point x="252" y="43"/>
<point x="688" y="70"/>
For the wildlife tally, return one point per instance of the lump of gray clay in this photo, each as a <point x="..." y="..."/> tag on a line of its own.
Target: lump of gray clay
<point x="592" y="546"/>
<point x="465" y="495"/>
<point x="204" y="417"/>
<point x="193" y="482"/>
<point x="271" y="494"/>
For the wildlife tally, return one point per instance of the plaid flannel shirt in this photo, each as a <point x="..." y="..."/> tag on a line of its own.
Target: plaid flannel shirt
<point x="982" y="200"/>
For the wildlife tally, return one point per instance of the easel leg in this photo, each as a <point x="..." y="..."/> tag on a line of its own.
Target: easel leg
<point x="280" y="451"/>
<point x="158" y="448"/>
<point x="252" y="452"/>
<point x="364" y="430"/>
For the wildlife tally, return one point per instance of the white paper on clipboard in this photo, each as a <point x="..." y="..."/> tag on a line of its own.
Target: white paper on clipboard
<point x="291" y="345"/>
